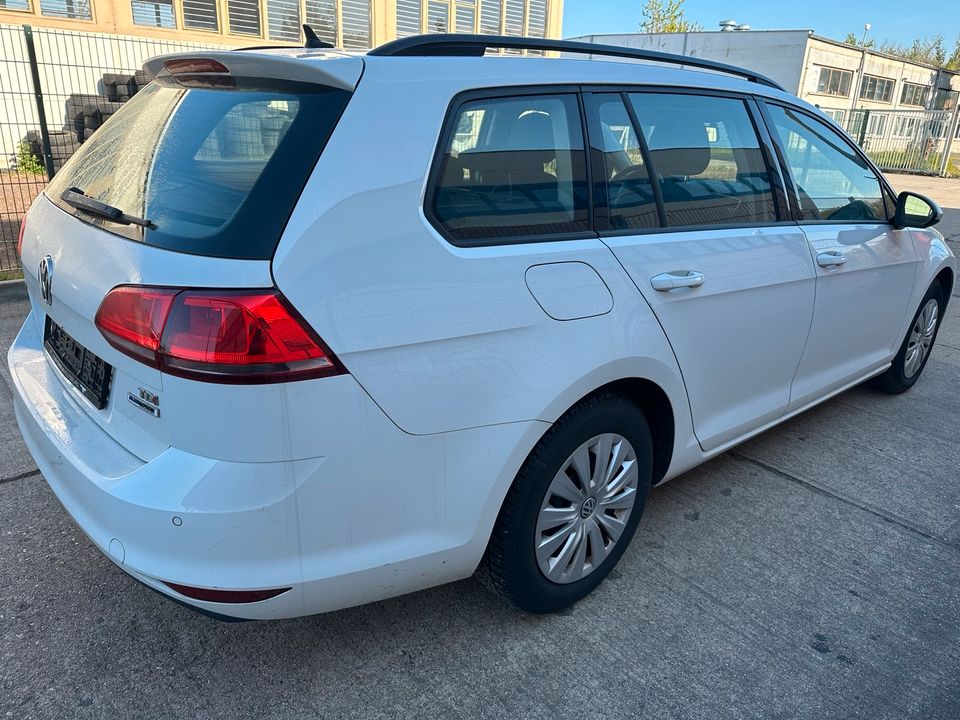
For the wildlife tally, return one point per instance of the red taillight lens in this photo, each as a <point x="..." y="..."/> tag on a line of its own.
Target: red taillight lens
<point x="23" y="226"/>
<point x="227" y="336"/>
<point x="132" y="319"/>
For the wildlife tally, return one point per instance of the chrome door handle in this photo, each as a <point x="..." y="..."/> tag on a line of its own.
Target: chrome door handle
<point x="677" y="279"/>
<point x="831" y="259"/>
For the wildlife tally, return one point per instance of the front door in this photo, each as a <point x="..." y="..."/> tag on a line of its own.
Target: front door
<point x="866" y="269"/>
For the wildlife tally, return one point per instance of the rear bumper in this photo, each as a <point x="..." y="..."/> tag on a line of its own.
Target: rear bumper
<point x="376" y="517"/>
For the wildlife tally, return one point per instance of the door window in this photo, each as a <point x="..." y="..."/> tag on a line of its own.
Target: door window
<point x="707" y="159"/>
<point x="630" y="200"/>
<point x="513" y="167"/>
<point x="833" y="181"/>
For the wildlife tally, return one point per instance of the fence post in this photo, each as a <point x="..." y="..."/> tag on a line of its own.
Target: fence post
<point x="863" y="129"/>
<point x="948" y="140"/>
<point x="38" y="96"/>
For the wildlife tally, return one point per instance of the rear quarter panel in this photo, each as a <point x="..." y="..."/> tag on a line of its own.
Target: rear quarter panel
<point x="446" y="338"/>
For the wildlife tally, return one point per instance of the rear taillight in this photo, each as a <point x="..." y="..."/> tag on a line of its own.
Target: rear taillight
<point x="225" y="336"/>
<point x="23" y="226"/>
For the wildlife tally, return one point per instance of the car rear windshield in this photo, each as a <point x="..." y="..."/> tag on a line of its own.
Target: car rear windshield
<point x="214" y="171"/>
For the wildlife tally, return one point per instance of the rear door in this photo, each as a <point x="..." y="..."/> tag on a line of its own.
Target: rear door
<point x="692" y="208"/>
<point x="866" y="269"/>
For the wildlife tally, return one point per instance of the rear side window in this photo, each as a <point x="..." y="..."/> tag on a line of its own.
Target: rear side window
<point x="707" y="156"/>
<point x="833" y="181"/>
<point x="630" y="199"/>
<point x="216" y="171"/>
<point x="513" y="167"/>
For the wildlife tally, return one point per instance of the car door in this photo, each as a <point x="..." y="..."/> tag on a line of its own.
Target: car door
<point x="866" y="269"/>
<point x="688" y="200"/>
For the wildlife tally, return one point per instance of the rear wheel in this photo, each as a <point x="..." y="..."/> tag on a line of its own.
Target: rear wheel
<point x="573" y="507"/>
<point x="915" y="350"/>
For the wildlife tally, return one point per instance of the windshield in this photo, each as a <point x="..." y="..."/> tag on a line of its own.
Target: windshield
<point x="215" y="171"/>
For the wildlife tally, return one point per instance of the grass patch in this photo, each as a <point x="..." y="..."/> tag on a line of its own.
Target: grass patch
<point x="11" y="275"/>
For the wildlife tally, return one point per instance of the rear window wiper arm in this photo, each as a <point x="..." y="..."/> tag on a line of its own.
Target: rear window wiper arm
<point x="75" y="198"/>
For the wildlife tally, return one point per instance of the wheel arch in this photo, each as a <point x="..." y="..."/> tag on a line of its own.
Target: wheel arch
<point x="946" y="279"/>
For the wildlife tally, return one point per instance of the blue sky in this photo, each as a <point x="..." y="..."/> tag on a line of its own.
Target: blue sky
<point x="897" y="20"/>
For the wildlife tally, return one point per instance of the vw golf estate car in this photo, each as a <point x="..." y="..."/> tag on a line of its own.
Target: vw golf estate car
<point x="310" y="329"/>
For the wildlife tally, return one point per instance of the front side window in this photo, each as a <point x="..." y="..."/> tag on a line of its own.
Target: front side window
<point x="707" y="157"/>
<point x="833" y="181"/>
<point x="513" y="166"/>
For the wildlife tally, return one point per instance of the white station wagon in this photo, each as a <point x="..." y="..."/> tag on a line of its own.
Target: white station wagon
<point x="311" y="329"/>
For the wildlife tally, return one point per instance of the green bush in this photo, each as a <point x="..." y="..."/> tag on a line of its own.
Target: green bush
<point x="27" y="162"/>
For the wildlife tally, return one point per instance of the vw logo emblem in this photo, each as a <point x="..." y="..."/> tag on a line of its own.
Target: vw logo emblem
<point x="589" y="505"/>
<point x="45" y="278"/>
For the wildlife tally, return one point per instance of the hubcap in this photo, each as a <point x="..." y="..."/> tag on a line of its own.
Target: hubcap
<point x="921" y="338"/>
<point x="586" y="508"/>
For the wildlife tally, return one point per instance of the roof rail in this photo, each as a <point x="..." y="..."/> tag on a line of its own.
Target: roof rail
<point x="476" y="45"/>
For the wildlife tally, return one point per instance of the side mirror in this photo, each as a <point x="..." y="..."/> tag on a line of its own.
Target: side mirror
<point x="916" y="211"/>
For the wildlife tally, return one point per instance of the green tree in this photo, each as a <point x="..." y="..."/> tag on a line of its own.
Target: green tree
<point x="666" y="16"/>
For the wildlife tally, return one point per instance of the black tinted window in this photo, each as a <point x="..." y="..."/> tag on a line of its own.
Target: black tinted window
<point x="707" y="157"/>
<point x="216" y="171"/>
<point x="513" y="167"/>
<point x="833" y="181"/>
<point x="629" y="193"/>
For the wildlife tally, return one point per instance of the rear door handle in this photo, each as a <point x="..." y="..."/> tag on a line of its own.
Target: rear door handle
<point x="831" y="259"/>
<point x="677" y="279"/>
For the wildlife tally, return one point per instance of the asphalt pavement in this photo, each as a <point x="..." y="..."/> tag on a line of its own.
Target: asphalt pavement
<point x="813" y="572"/>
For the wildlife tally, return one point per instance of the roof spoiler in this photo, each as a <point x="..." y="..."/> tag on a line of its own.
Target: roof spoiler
<point x="337" y="71"/>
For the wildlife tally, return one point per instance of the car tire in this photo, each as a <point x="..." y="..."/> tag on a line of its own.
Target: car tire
<point x="540" y="506"/>
<point x="907" y="367"/>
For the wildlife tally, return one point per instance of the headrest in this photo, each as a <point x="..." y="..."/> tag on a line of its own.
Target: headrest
<point x="679" y="146"/>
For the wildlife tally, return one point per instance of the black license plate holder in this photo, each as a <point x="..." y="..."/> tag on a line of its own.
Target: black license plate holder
<point x="87" y="372"/>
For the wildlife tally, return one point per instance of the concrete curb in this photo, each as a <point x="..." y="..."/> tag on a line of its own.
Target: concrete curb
<point x="13" y="290"/>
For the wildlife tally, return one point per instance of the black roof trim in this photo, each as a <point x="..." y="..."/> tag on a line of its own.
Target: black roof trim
<point x="477" y="45"/>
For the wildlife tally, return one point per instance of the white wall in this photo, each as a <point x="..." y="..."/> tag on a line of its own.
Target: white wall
<point x="778" y="54"/>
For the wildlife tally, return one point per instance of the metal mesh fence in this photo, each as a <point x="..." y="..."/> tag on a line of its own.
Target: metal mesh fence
<point x="903" y="140"/>
<point x="53" y="97"/>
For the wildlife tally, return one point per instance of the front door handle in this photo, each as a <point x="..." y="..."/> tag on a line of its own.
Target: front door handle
<point x="831" y="259"/>
<point x="677" y="279"/>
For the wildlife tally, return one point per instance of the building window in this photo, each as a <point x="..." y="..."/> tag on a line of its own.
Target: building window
<point x="321" y="15"/>
<point x="283" y="20"/>
<point x="906" y="126"/>
<point x="837" y="115"/>
<point x="355" y="16"/>
<point x="876" y="124"/>
<point x="153" y="14"/>
<point x="834" y="82"/>
<point x="490" y="16"/>
<point x="200" y="15"/>
<point x="23" y="5"/>
<point x="537" y="18"/>
<point x="466" y="16"/>
<point x="73" y="9"/>
<point x="877" y="89"/>
<point x="438" y="17"/>
<point x="913" y="94"/>
<point x="409" y="17"/>
<point x="244" y="16"/>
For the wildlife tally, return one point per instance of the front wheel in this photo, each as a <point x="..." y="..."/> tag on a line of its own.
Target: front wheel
<point x="573" y="507"/>
<point x="915" y="350"/>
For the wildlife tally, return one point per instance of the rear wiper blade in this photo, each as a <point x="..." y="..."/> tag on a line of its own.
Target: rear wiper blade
<point x="75" y="198"/>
